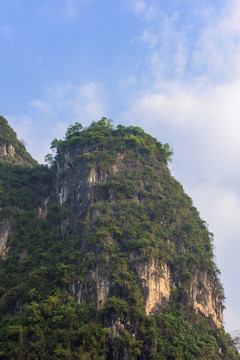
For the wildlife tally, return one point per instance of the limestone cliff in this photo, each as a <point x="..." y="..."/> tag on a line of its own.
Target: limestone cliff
<point x="84" y="187"/>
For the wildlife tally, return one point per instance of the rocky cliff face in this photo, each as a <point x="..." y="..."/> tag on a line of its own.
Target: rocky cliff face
<point x="7" y="151"/>
<point x="78" y="188"/>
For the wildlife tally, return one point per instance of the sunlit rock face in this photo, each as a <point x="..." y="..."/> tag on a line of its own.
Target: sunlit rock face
<point x="205" y="297"/>
<point x="5" y="230"/>
<point x="7" y="151"/>
<point x="156" y="284"/>
<point x="77" y="188"/>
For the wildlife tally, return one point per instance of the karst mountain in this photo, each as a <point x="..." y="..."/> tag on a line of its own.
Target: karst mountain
<point x="102" y="253"/>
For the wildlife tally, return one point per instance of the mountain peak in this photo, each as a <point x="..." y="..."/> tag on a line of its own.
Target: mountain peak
<point x="11" y="149"/>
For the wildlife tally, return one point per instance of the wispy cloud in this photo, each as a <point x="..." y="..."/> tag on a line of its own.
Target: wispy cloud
<point x="218" y="47"/>
<point x="65" y="104"/>
<point x="43" y="106"/>
<point x="61" y="105"/>
<point x="149" y="38"/>
<point x="84" y="102"/>
<point x="202" y="105"/>
<point x="203" y="42"/>
<point x="142" y="8"/>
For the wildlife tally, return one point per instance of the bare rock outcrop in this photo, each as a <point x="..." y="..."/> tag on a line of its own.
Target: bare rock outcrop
<point x="5" y="231"/>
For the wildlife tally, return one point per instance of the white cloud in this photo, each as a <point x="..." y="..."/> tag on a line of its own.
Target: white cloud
<point x="232" y="316"/>
<point x="220" y="205"/>
<point x="84" y="102"/>
<point x="200" y="117"/>
<point x="203" y="42"/>
<point x="157" y="108"/>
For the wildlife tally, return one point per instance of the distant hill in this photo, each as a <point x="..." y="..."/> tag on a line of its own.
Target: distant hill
<point x="11" y="149"/>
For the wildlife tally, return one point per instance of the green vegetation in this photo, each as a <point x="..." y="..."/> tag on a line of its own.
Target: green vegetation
<point x="8" y="139"/>
<point x="136" y="213"/>
<point x="103" y="136"/>
<point x="23" y="186"/>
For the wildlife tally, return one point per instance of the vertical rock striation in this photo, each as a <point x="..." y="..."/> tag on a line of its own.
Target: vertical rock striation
<point x="5" y="231"/>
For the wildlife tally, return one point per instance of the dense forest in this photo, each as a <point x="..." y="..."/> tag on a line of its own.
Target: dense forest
<point x="103" y="255"/>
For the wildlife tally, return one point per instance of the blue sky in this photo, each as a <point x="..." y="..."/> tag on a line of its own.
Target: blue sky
<point x="171" y="67"/>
